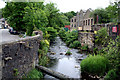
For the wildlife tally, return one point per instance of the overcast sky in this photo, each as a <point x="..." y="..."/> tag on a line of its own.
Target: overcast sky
<point x="75" y="5"/>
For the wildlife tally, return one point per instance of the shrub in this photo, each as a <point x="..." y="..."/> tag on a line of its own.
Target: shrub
<point x="111" y="75"/>
<point x="33" y="74"/>
<point x="71" y="45"/>
<point x="52" y="32"/>
<point x="95" y="65"/>
<point x="76" y="44"/>
<point x="102" y="36"/>
<point x="68" y="52"/>
<point x="85" y="47"/>
<point x="42" y="52"/>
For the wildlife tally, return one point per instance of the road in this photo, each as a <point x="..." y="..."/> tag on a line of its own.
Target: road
<point x="5" y="36"/>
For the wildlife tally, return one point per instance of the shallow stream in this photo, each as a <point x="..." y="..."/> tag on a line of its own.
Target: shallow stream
<point x="67" y="65"/>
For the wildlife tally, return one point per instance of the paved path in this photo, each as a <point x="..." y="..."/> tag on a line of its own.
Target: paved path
<point x="5" y="36"/>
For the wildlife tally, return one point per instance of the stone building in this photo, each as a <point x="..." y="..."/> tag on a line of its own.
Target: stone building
<point x="83" y="20"/>
<point x="73" y="24"/>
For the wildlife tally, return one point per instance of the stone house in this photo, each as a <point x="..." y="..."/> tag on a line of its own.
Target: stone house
<point x="83" y="20"/>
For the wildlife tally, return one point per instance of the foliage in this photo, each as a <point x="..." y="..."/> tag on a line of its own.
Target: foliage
<point x="35" y="17"/>
<point x="85" y="47"/>
<point x="14" y="13"/>
<point x="111" y="75"/>
<point x="102" y="15"/>
<point x="15" y="72"/>
<point x="70" y="14"/>
<point x="69" y="38"/>
<point x="68" y="52"/>
<point x="112" y="12"/>
<point x="44" y="46"/>
<point x="95" y="65"/>
<point x="112" y="53"/>
<point x="33" y="74"/>
<point x="75" y="44"/>
<point x="101" y="36"/>
<point x="53" y="15"/>
<point x="52" y="32"/>
<point x="95" y="50"/>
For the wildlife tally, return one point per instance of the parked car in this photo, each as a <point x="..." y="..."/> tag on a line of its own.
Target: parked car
<point x="12" y="31"/>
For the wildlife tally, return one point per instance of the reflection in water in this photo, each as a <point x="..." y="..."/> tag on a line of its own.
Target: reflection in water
<point x="67" y="65"/>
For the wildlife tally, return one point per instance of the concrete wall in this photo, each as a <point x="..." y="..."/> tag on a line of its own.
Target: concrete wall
<point x="86" y="38"/>
<point x="20" y="55"/>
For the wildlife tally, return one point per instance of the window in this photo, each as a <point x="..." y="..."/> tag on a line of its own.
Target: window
<point x="75" y="25"/>
<point x="88" y="21"/>
<point x="75" y="20"/>
<point x="72" y="20"/>
<point x="72" y="25"/>
<point x="83" y="23"/>
<point x="91" y="21"/>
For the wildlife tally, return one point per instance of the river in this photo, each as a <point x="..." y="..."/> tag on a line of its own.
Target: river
<point x="67" y="65"/>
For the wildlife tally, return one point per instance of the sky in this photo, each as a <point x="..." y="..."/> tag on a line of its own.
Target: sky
<point x="75" y="5"/>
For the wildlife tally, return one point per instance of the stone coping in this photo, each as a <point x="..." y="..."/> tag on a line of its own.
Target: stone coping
<point x="22" y="39"/>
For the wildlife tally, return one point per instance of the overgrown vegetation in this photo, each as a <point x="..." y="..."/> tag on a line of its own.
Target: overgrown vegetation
<point x="43" y="58"/>
<point x="95" y="65"/>
<point x="33" y="74"/>
<point x="70" y="38"/>
<point x="33" y="15"/>
<point x="110" y="51"/>
<point x="109" y="14"/>
<point x="101" y="36"/>
<point x="68" y="52"/>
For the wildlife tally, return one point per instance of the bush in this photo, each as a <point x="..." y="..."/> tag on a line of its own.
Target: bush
<point x="85" y="47"/>
<point x="111" y="75"/>
<point x="52" y="32"/>
<point x="44" y="46"/>
<point x="33" y="74"/>
<point x="95" y="65"/>
<point x="68" y="52"/>
<point x="102" y="36"/>
<point x="76" y="44"/>
<point x="69" y="37"/>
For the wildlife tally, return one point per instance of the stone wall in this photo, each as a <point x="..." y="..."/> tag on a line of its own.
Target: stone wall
<point x="86" y="38"/>
<point x="19" y="57"/>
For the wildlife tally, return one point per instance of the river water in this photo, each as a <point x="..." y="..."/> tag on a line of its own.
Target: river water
<point x="67" y="65"/>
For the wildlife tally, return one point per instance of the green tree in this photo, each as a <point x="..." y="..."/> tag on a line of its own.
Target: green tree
<point x="35" y="17"/>
<point x="102" y="15"/>
<point x="14" y="13"/>
<point x="53" y="15"/>
<point x="70" y="14"/>
<point x="112" y="12"/>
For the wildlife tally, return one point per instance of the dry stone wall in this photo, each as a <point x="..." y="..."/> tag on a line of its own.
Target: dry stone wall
<point x="86" y="38"/>
<point x="19" y="57"/>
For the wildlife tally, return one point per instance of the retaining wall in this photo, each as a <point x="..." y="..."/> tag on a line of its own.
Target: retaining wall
<point x="87" y="38"/>
<point x="19" y="57"/>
